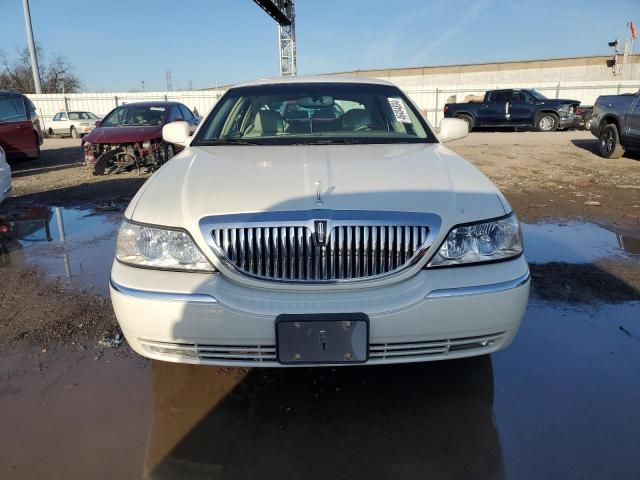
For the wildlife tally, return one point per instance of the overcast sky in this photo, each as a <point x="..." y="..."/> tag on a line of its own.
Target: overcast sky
<point x="116" y="44"/>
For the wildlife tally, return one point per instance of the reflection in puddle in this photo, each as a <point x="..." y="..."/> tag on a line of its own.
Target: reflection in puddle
<point x="414" y="421"/>
<point x="575" y="242"/>
<point x="76" y="244"/>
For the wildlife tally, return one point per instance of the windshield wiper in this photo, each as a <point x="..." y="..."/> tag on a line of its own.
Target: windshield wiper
<point x="229" y="141"/>
<point x="339" y="141"/>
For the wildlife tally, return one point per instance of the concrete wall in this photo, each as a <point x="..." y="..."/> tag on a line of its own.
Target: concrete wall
<point x="580" y="78"/>
<point x="583" y="79"/>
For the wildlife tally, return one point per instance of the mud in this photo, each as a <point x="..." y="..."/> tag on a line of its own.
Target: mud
<point x="561" y="402"/>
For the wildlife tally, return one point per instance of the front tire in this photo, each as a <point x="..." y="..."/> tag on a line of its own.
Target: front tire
<point x="547" y="122"/>
<point x="609" y="144"/>
<point x="74" y="132"/>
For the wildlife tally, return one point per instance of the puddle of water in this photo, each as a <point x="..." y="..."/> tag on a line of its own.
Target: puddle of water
<point x="575" y="242"/>
<point x="546" y="407"/>
<point x="73" y="244"/>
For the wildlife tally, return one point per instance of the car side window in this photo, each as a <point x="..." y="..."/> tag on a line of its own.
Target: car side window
<point x="12" y="109"/>
<point x="186" y="113"/>
<point x="63" y="116"/>
<point x="518" y="98"/>
<point x="31" y="108"/>
<point x="500" y="96"/>
<point x="175" y="114"/>
<point x="56" y="117"/>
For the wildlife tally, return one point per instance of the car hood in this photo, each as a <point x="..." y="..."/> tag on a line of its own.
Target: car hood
<point x="559" y="101"/>
<point x="204" y="181"/>
<point x="123" y="134"/>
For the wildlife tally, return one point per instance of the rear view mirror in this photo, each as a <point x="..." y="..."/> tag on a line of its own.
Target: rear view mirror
<point x="98" y="122"/>
<point x="176" y="133"/>
<point x="453" y="129"/>
<point x="315" y="102"/>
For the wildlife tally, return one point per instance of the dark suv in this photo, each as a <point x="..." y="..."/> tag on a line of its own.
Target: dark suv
<point x="20" y="133"/>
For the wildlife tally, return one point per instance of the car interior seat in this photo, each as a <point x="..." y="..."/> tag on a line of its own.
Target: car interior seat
<point x="356" y="118"/>
<point x="266" y="123"/>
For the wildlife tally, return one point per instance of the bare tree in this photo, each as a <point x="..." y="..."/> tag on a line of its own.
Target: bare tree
<point x="56" y="75"/>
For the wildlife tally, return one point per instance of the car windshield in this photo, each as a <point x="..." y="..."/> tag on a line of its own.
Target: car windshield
<point x="135" y="115"/>
<point x="82" y="116"/>
<point x="314" y="113"/>
<point x="537" y="95"/>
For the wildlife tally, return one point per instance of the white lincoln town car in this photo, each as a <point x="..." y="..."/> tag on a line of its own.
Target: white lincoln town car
<point x="318" y="221"/>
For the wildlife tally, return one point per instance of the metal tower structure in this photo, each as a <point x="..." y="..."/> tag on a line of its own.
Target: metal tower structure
<point x="283" y="12"/>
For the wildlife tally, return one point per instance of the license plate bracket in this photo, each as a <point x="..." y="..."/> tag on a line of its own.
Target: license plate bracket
<point x="328" y="338"/>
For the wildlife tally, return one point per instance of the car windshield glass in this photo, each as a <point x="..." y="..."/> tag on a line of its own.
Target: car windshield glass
<point x="82" y="116"/>
<point x="12" y="109"/>
<point x="134" y="115"/>
<point x="537" y="95"/>
<point x="314" y="113"/>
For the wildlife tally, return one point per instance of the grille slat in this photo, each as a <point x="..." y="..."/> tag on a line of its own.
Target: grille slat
<point x="290" y="252"/>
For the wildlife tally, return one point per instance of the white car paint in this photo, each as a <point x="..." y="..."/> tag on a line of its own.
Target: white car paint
<point x="5" y="176"/>
<point x="63" y="122"/>
<point x="173" y="316"/>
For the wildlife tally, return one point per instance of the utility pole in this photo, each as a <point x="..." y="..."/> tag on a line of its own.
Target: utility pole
<point x="32" y="47"/>
<point x="169" y="81"/>
<point x="283" y="12"/>
<point x="190" y="84"/>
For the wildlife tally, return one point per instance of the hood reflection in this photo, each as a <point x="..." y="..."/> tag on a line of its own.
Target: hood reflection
<point x="432" y="420"/>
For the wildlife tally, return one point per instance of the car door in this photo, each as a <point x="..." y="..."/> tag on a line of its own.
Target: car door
<point x="495" y="110"/>
<point x="520" y="108"/>
<point x="62" y="125"/>
<point x="16" y="129"/>
<point x="633" y="121"/>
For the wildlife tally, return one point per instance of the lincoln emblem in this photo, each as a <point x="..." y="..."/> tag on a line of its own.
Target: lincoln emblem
<point x="320" y="233"/>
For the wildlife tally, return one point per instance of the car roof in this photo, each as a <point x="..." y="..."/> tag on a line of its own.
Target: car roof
<point x="9" y="92"/>
<point x="150" y="104"/>
<point x="314" y="79"/>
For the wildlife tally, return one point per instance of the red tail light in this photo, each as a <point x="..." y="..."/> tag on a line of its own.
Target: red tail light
<point x="446" y="108"/>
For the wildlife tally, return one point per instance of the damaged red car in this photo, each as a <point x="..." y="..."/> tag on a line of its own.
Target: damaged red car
<point x="130" y="137"/>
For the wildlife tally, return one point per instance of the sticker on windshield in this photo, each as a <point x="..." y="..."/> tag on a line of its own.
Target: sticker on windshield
<point x="158" y="109"/>
<point x="399" y="110"/>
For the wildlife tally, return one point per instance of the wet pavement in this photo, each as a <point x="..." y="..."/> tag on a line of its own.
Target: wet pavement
<point x="560" y="402"/>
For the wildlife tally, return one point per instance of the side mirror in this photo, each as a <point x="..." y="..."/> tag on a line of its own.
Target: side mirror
<point x="98" y="122"/>
<point x="176" y="133"/>
<point x="453" y="129"/>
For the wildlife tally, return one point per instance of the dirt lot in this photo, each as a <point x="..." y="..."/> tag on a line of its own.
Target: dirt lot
<point x="61" y="365"/>
<point x="544" y="176"/>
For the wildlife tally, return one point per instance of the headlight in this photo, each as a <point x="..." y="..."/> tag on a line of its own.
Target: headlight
<point x="146" y="144"/>
<point x="85" y="124"/>
<point x="565" y="110"/>
<point x="161" y="248"/>
<point x="480" y="242"/>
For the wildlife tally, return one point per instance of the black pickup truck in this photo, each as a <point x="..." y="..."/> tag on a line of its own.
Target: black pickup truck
<point x="516" y="108"/>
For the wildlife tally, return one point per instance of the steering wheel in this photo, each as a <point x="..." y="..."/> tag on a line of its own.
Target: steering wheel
<point x="365" y="127"/>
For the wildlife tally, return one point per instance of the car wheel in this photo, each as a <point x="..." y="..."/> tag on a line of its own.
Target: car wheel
<point x="547" y="122"/>
<point x="469" y="120"/>
<point x="74" y="132"/>
<point x="587" y="125"/>
<point x="609" y="142"/>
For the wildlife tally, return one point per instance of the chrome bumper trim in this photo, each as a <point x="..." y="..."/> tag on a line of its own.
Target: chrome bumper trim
<point x="165" y="296"/>
<point x="479" y="289"/>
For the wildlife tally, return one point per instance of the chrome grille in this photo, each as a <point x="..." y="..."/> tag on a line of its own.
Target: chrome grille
<point x="291" y="252"/>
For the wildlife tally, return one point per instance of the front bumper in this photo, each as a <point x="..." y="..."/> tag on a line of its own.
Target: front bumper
<point x="206" y="319"/>
<point x="571" y="121"/>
